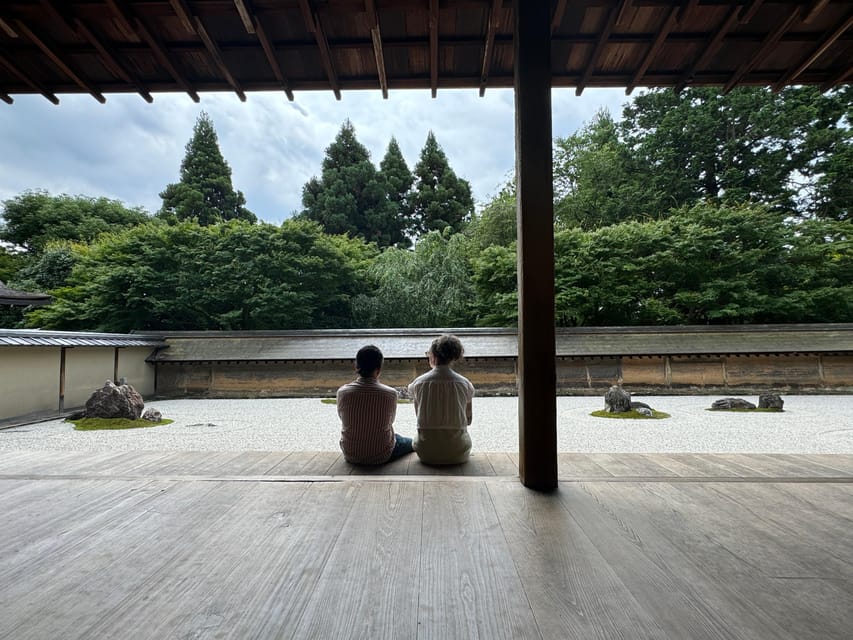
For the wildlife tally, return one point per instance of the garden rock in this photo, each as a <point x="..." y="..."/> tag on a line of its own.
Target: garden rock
<point x="111" y="401"/>
<point x="639" y="405"/>
<point x="770" y="401"/>
<point x="152" y="415"/>
<point x="403" y="393"/>
<point x="617" y="400"/>
<point x="731" y="403"/>
<point x="645" y="411"/>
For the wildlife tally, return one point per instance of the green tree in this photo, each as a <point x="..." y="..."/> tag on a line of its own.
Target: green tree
<point x="10" y="262"/>
<point x="496" y="223"/>
<point x="205" y="192"/>
<point x="595" y="178"/>
<point x="441" y="199"/>
<point x="496" y="286"/>
<point x="429" y="286"/>
<point x="35" y="218"/>
<point x="230" y="276"/>
<point x="398" y="181"/>
<point x="350" y="196"/>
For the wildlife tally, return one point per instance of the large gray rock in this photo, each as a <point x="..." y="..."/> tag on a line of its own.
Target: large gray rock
<point x="152" y="415"/>
<point x="770" y="401"/>
<point x="731" y="403"/>
<point x="617" y="400"/>
<point x="111" y="401"/>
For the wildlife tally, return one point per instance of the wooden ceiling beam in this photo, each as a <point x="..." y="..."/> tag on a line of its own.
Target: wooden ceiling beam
<point x="843" y="76"/>
<point x="49" y="50"/>
<point x="5" y="97"/>
<point x="433" y="47"/>
<point x="557" y="19"/>
<point x="269" y="51"/>
<point x="811" y="11"/>
<point x="312" y="22"/>
<point x="770" y="41"/>
<point x="712" y="46"/>
<point x="135" y="25"/>
<point x="610" y="21"/>
<point x="7" y="29"/>
<point x="193" y="24"/>
<point x="622" y="16"/>
<point x="489" y="48"/>
<point x="108" y="57"/>
<point x="653" y="50"/>
<point x="23" y="77"/>
<point x="378" y="53"/>
<point x="793" y="73"/>
<point x="246" y="15"/>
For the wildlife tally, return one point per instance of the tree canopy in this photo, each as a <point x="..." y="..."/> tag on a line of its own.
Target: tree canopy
<point x="441" y="199"/>
<point x="35" y="218"/>
<point x="204" y="192"/>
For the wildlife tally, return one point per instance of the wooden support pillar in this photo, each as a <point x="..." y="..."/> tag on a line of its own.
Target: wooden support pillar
<point x="537" y="375"/>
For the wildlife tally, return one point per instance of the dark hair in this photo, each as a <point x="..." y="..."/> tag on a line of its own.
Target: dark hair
<point x="446" y="349"/>
<point x="367" y="360"/>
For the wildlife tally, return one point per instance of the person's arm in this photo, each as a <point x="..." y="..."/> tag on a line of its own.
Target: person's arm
<point x="469" y="412"/>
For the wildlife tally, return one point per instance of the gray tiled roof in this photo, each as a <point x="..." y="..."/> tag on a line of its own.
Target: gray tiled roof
<point x="503" y="343"/>
<point x="39" y="338"/>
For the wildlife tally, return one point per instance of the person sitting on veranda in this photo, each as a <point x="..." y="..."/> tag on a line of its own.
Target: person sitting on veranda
<point x="367" y="409"/>
<point x="442" y="400"/>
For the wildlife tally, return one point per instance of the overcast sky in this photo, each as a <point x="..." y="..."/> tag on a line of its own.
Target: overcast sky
<point x="130" y="150"/>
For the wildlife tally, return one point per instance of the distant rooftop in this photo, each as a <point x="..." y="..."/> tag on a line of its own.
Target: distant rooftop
<point x="39" y="338"/>
<point x="12" y="297"/>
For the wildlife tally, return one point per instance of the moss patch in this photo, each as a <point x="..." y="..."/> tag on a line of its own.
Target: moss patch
<point x="100" y="424"/>
<point x="633" y="414"/>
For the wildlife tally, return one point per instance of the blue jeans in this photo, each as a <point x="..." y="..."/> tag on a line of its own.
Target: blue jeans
<point x="402" y="447"/>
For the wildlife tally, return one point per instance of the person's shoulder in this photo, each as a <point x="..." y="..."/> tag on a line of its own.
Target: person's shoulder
<point x="386" y="389"/>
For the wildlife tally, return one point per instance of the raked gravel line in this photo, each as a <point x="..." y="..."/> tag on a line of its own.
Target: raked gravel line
<point x="809" y="424"/>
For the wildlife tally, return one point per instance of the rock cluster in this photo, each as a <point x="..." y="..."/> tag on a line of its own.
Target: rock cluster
<point x="117" y="401"/>
<point x="765" y="401"/>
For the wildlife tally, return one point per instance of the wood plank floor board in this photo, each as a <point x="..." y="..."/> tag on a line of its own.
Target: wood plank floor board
<point x="736" y="552"/>
<point x="369" y="584"/>
<point x="502" y="464"/>
<point x="257" y="463"/>
<point x="201" y="595"/>
<point x="734" y="465"/>
<point x="580" y="465"/>
<point x="685" y="465"/>
<point x="478" y="465"/>
<point x="469" y="587"/>
<point x="805" y="465"/>
<point x="839" y="462"/>
<point x="664" y="580"/>
<point x="286" y="570"/>
<point x="834" y="498"/>
<point x="320" y="464"/>
<point x="818" y="538"/>
<point x="574" y="594"/>
<point x="630" y="464"/>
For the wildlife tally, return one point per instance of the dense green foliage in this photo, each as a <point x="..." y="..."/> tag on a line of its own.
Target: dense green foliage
<point x="205" y="192"/>
<point x="697" y="208"/>
<point x="441" y="199"/>
<point x="229" y="276"/>
<point x="35" y="218"/>
<point x="350" y="196"/>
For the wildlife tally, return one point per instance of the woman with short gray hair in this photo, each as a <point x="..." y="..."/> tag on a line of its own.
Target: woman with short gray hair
<point x="443" y="405"/>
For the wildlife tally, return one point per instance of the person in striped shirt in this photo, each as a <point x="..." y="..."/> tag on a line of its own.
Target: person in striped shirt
<point x="367" y="409"/>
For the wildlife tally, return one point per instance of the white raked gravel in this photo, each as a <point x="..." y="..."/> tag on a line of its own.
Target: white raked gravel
<point x="809" y="424"/>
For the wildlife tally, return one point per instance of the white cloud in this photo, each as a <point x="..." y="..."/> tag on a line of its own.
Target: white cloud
<point x="130" y="150"/>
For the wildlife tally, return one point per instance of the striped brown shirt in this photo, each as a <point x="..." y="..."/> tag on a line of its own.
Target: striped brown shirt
<point x="367" y="409"/>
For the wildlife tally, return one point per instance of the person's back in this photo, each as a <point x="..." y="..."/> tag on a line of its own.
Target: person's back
<point x="442" y="400"/>
<point x="367" y="409"/>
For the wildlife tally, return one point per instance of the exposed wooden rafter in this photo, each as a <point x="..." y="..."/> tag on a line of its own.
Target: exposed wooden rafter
<point x="312" y="22"/>
<point x="269" y="52"/>
<point x="622" y="14"/>
<point x="489" y="48"/>
<point x="135" y="25"/>
<point x="194" y="24"/>
<point x="557" y="18"/>
<point x="23" y="77"/>
<point x="56" y="57"/>
<point x="811" y="11"/>
<point x="816" y="53"/>
<point x="767" y="44"/>
<point x="712" y="46"/>
<point x="378" y="54"/>
<point x="246" y="15"/>
<point x="5" y="97"/>
<point x="609" y="22"/>
<point x="433" y="47"/>
<point x="844" y="76"/>
<point x="108" y="56"/>
<point x="7" y="29"/>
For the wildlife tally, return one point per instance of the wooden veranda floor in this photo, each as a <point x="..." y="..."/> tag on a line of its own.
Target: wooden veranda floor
<point x="276" y="545"/>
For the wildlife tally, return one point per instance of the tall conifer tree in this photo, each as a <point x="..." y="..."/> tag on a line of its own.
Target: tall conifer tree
<point x="398" y="181"/>
<point x="441" y="199"/>
<point x="205" y="191"/>
<point x="349" y="197"/>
